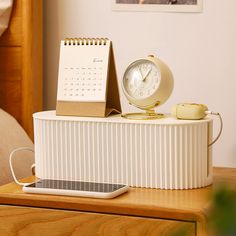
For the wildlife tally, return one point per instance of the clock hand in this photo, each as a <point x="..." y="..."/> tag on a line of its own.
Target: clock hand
<point x="147" y="74"/>
<point x="140" y="72"/>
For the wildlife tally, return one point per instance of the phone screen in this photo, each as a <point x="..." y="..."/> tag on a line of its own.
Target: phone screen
<point x="76" y="185"/>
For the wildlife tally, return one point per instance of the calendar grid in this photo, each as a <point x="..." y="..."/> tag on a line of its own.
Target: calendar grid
<point x="83" y="70"/>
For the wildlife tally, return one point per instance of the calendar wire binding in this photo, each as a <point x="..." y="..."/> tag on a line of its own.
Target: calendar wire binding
<point x="85" y="41"/>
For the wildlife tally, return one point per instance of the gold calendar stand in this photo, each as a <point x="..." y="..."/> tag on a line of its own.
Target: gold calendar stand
<point x="94" y="108"/>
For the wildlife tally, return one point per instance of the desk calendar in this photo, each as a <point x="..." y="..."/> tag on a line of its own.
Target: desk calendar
<point x="86" y="75"/>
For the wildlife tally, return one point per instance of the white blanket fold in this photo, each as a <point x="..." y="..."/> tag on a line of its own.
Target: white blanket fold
<point x="5" y="12"/>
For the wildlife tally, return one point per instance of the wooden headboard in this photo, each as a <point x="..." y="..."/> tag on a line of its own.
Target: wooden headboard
<point x="21" y="63"/>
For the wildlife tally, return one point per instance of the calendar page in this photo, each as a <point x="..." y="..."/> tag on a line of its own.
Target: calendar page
<point x="83" y="70"/>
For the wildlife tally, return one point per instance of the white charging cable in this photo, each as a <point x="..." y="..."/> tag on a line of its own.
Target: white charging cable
<point x="11" y="166"/>
<point x="221" y="125"/>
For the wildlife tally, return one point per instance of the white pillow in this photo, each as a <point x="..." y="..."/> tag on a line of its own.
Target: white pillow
<point x="5" y="12"/>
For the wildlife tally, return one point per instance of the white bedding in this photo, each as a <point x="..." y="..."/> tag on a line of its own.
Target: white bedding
<point x="5" y="12"/>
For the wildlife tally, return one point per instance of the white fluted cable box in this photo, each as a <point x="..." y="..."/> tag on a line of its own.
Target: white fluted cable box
<point x="165" y="153"/>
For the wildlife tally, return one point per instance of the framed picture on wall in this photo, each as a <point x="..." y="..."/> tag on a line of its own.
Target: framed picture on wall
<point x="158" y="5"/>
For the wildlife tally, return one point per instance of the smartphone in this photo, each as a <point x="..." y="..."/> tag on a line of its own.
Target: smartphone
<point x="76" y="188"/>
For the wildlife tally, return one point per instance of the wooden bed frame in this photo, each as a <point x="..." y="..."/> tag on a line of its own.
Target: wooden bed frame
<point x="21" y="63"/>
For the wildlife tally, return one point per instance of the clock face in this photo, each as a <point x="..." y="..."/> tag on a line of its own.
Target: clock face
<point x="141" y="79"/>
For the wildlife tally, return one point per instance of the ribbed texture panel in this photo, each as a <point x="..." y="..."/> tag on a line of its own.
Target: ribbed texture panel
<point x="142" y="155"/>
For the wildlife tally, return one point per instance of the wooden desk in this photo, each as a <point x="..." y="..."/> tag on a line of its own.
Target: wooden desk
<point x="138" y="212"/>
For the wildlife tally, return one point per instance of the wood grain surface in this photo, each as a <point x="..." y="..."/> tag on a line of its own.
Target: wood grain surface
<point x="181" y="205"/>
<point x="25" y="221"/>
<point x="21" y="61"/>
<point x="169" y="204"/>
<point x="10" y="80"/>
<point x="10" y="63"/>
<point x="32" y="62"/>
<point x="188" y="205"/>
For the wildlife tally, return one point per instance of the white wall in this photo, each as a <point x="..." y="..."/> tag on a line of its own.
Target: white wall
<point x="200" y="48"/>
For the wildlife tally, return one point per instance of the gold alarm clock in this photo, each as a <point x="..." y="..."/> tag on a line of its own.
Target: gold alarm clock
<point x="147" y="83"/>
